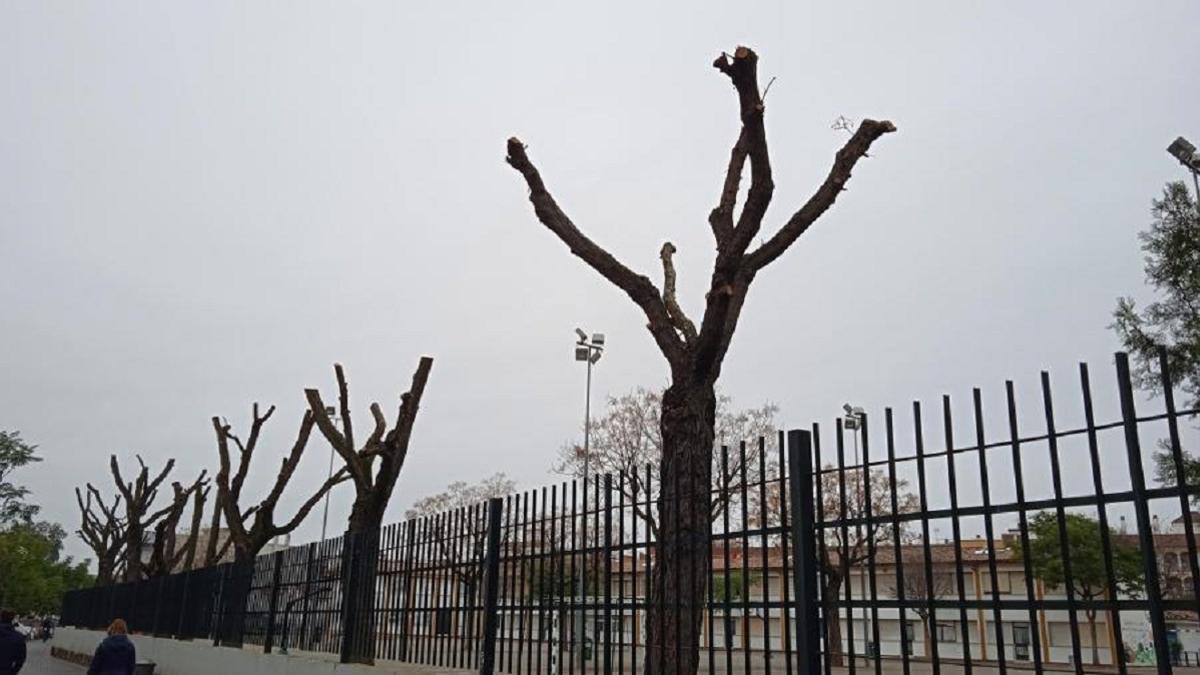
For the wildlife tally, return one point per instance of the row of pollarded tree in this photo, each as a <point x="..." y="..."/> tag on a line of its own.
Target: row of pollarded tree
<point x="694" y="351"/>
<point x="116" y="528"/>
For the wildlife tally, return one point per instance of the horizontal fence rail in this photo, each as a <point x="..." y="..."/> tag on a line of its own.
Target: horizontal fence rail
<point x="1036" y="536"/>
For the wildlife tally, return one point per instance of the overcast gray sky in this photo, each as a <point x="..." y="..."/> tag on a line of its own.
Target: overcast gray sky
<point x="207" y="204"/>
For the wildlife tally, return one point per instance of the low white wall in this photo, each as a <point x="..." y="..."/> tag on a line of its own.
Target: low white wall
<point x="183" y="657"/>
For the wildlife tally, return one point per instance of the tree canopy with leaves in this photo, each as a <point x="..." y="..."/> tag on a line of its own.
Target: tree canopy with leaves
<point x="14" y="454"/>
<point x="1172" y="247"/>
<point x="695" y="352"/>
<point x="1084" y="548"/>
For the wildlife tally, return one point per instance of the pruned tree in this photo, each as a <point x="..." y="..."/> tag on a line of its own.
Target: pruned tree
<point x="695" y="353"/>
<point x="139" y="495"/>
<point x="167" y="554"/>
<point x="627" y="438"/>
<point x="373" y="488"/>
<point x="252" y="528"/>
<point x="103" y="532"/>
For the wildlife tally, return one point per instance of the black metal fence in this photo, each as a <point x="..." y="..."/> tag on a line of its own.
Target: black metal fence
<point x="1021" y="550"/>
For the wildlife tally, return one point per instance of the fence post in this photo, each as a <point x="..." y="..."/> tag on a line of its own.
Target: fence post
<point x="183" y="604"/>
<point x="269" y="640"/>
<point x="804" y="550"/>
<point x="1141" y="507"/>
<point x="491" y="589"/>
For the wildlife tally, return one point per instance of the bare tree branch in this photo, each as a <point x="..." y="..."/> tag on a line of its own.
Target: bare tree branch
<point x="636" y="286"/>
<point x="674" y="311"/>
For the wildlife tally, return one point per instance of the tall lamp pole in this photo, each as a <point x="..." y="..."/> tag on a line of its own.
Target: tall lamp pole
<point x="331" y="412"/>
<point x="588" y="351"/>
<point x="1182" y="150"/>
<point x="856" y="421"/>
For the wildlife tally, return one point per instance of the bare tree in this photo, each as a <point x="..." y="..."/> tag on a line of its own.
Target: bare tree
<point x="253" y="528"/>
<point x="373" y="488"/>
<point x="844" y="496"/>
<point x="627" y="438"/>
<point x="139" y="495"/>
<point x="460" y="546"/>
<point x="919" y="589"/>
<point x="104" y="533"/>
<point x="695" y="354"/>
<point x="167" y="554"/>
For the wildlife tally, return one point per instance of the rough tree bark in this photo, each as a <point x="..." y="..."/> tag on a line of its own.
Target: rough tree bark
<point x="247" y="541"/>
<point x="373" y="489"/>
<point x="139" y="495"/>
<point x="695" y="355"/>
<point x="103" y="533"/>
<point x="167" y="555"/>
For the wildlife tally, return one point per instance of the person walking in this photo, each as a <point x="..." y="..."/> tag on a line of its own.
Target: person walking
<point x="115" y="655"/>
<point x="47" y="628"/>
<point x="12" y="645"/>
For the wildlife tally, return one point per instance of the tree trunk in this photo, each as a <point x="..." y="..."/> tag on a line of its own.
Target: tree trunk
<point x="833" y="628"/>
<point x="928" y="643"/>
<point x="133" y="551"/>
<point x="364" y="522"/>
<point x="104" y="571"/>
<point x="683" y="554"/>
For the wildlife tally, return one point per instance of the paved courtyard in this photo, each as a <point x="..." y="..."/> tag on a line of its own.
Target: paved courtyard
<point x="41" y="663"/>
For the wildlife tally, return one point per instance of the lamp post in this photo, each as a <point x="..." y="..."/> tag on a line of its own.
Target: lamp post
<point x="1182" y="150"/>
<point x="856" y="421"/>
<point x="331" y="412"/>
<point x="588" y="351"/>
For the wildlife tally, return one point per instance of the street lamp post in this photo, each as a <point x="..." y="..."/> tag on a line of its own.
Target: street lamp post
<point x="856" y="421"/>
<point x="331" y="412"/>
<point x="588" y="351"/>
<point x="1182" y="150"/>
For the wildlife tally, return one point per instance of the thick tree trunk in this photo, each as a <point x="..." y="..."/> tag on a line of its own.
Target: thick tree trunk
<point x="104" y="571"/>
<point x="133" y="551"/>
<point x="683" y="555"/>
<point x="830" y="609"/>
<point x="365" y="519"/>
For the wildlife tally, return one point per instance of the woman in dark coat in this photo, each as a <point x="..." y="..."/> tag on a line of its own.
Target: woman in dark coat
<point x="115" y="655"/>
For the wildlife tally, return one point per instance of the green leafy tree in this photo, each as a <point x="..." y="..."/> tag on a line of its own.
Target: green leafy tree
<point x="14" y="454"/>
<point x="1172" y="247"/>
<point x="1089" y="576"/>
<point x="32" y="578"/>
<point x="1172" y="322"/>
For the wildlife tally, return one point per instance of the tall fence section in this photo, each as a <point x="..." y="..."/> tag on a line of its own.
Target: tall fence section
<point x="1029" y="536"/>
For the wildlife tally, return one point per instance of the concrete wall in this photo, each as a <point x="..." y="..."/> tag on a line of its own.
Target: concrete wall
<point x="182" y="657"/>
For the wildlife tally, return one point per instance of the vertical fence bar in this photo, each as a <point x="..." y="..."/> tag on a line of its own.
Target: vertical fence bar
<point x="608" y="574"/>
<point x="1064" y="543"/>
<point x="956" y="533"/>
<point x="491" y="588"/>
<point x="897" y="551"/>
<point x="869" y="525"/>
<point x="926" y="550"/>
<point x="1141" y="505"/>
<point x="744" y="584"/>
<point x="1035" y="633"/>
<point x="273" y="604"/>
<point x="844" y="557"/>
<point x="1114" y="613"/>
<point x="726" y="619"/>
<point x="989" y="530"/>
<point x="765" y="558"/>
<point x="804" y="551"/>
<point x="785" y="578"/>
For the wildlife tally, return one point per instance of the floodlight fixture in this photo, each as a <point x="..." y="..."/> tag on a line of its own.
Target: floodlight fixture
<point x="582" y="335"/>
<point x="581" y="353"/>
<point x="597" y="339"/>
<point x="1183" y="150"/>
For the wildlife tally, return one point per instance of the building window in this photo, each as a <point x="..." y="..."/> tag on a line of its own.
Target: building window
<point x="908" y="633"/>
<point x="947" y="632"/>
